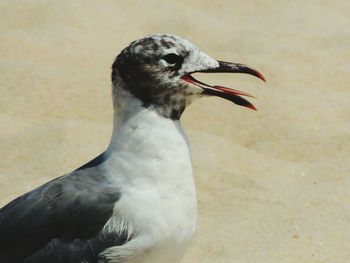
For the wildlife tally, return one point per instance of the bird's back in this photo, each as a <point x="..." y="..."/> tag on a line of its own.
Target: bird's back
<point x="59" y="221"/>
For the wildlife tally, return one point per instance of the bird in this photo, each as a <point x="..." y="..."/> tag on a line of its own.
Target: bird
<point x="135" y="202"/>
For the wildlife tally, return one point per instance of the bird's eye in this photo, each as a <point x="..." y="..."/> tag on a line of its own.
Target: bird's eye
<point x="173" y="59"/>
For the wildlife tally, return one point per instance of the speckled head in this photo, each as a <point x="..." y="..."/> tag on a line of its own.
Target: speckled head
<point x="156" y="70"/>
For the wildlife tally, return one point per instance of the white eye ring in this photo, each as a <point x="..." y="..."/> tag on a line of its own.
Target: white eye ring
<point x="165" y="64"/>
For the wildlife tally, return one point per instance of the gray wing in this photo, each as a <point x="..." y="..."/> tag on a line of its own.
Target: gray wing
<point x="60" y="221"/>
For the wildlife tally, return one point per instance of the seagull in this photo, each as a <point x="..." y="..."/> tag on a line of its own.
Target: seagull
<point x="136" y="202"/>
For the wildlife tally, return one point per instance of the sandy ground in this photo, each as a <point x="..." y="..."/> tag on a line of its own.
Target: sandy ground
<point x="273" y="185"/>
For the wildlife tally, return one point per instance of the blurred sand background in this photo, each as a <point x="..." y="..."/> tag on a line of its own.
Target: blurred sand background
<point x="273" y="185"/>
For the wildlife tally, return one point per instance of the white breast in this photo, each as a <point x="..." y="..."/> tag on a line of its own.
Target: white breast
<point x="149" y="159"/>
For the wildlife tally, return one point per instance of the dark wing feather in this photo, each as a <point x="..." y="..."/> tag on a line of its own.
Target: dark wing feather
<point x="65" y="214"/>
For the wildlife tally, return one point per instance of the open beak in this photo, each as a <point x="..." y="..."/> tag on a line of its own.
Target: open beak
<point x="223" y="92"/>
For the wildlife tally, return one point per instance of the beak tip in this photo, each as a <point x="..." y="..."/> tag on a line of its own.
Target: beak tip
<point x="252" y="107"/>
<point x="261" y="76"/>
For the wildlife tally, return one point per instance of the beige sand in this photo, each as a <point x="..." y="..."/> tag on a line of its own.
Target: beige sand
<point x="273" y="185"/>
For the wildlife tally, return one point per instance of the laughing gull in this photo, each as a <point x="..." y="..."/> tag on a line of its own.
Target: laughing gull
<point x="135" y="202"/>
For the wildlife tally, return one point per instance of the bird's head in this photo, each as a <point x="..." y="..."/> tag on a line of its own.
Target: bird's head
<point x="157" y="70"/>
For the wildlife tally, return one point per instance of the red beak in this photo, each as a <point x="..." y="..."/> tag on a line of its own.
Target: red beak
<point x="223" y="92"/>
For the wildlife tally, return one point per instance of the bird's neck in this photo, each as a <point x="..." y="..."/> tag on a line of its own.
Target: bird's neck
<point x="126" y="107"/>
<point x="134" y="123"/>
<point x="167" y="102"/>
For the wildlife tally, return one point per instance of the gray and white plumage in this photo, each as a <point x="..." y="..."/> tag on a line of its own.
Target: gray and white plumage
<point x="136" y="202"/>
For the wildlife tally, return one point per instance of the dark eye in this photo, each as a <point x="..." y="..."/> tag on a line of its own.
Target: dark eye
<point x="173" y="59"/>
